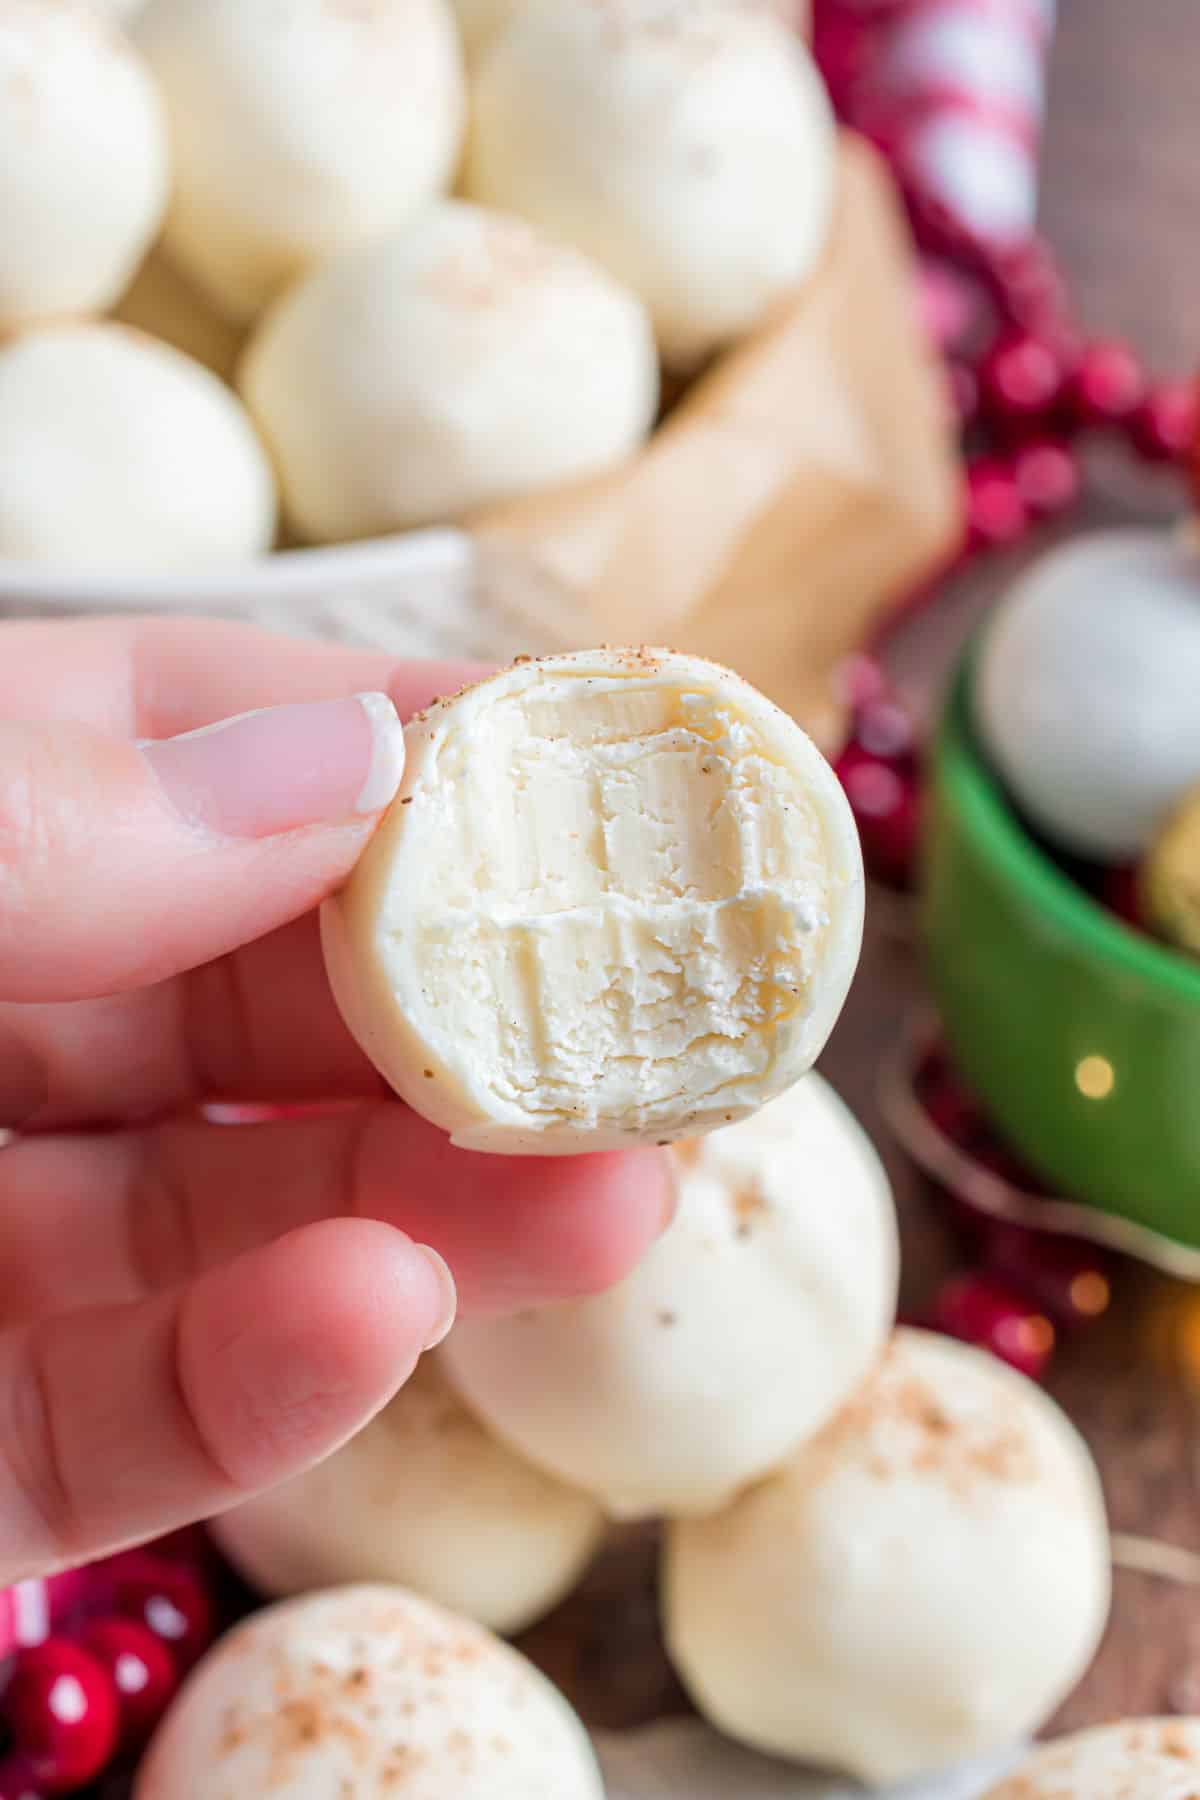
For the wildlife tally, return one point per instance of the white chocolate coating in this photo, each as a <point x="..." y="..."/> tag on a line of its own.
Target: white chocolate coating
<point x="1087" y="695"/>
<point x="117" y="452"/>
<point x="299" y="129"/>
<point x="921" y="1584"/>
<point x="738" y="1335"/>
<point x="617" y="900"/>
<point x="83" y="161"/>
<point x="367" y="1691"/>
<point x="687" y="145"/>
<point x="427" y="1498"/>
<point x="396" y="386"/>
<point x="482" y="21"/>
<point x="1138" y="1759"/>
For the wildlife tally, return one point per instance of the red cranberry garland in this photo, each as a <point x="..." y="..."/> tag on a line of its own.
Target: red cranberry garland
<point x="125" y="1633"/>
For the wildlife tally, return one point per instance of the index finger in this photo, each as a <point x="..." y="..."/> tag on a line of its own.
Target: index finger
<point x="156" y="677"/>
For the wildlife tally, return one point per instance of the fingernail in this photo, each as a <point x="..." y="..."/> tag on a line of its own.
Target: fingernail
<point x="449" y="1296"/>
<point x="284" y="767"/>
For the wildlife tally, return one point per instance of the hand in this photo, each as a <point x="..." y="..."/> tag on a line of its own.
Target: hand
<point x="191" y="1311"/>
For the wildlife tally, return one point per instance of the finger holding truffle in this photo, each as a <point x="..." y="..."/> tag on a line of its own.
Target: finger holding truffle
<point x="618" y="900"/>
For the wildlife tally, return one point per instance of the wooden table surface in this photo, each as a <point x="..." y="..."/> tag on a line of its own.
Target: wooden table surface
<point x="1121" y="202"/>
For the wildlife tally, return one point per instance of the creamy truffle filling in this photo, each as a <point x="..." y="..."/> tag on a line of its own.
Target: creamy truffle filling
<point x="624" y="897"/>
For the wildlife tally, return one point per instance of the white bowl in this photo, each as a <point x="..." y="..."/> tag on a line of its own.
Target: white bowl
<point x="438" y="594"/>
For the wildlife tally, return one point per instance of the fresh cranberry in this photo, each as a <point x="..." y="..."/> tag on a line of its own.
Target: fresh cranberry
<point x="170" y="1599"/>
<point x="1107" y="385"/>
<point x="1047" y="478"/>
<point x="1163" y="429"/>
<point x="1072" y="1281"/>
<point x="141" y="1669"/>
<point x="1021" y="379"/>
<point x="885" y="804"/>
<point x="19" y="1781"/>
<point x="61" y="1709"/>
<point x="996" y="514"/>
<point x="982" y="1310"/>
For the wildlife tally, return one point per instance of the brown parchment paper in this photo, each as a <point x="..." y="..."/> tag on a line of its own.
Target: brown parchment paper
<point x="797" y="491"/>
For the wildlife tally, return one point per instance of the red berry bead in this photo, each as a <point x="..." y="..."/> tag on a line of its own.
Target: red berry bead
<point x="1163" y="429"/>
<point x="952" y="1111"/>
<point x="1107" y="385"/>
<point x="1070" y="1280"/>
<point x="1047" y="478"/>
<point x="996" y="514"/>
<point x="981" y="1310"/>
<point x="61" y="1709"/>
<point x="170" y="1599"/>
<point x="885" y="804"/>
<point x="1021" y="379"/>
<point x="18" y="1780"/>
<point x="142" y="1671"/>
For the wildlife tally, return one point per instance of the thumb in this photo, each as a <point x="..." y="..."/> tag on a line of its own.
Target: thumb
<point x="123" y="863"/>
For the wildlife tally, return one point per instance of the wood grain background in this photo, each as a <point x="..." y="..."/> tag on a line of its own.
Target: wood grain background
<point x="1122" y="206"/>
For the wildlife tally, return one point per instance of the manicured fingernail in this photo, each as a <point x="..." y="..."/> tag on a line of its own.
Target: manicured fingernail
<point x="449" y="1296"/>
<point x="284" y="767"/>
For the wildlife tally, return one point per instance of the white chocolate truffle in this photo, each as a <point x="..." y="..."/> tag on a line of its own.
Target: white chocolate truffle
<point x="687" y="145"/>
<point x="462" y="362"/>
<point x="299" y="129"/>
<point x="1087" y="695"/>
<point x="122" y="10"/>
<point x="482" y="21"/>
<point x="367" y="1691"/>
<point x="83" y="161"/>
<point x="428" y="1498"/>
<point x="1137" y="1759"/>
<point x="117" y="452"/>
<point x="617" y="900"/>
<point x="746" y="1326"/>
<point x="923" y="1583"/>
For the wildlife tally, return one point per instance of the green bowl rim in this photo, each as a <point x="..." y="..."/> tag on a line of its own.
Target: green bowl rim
<point x="998" y="832"/>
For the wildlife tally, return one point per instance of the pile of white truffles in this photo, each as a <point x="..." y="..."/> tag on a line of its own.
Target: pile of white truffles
<point x="884" y="1552"/>
<point x="436" y="254"/>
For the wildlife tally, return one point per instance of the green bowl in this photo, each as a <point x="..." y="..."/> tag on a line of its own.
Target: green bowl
<point x="1081" y="1037"/>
